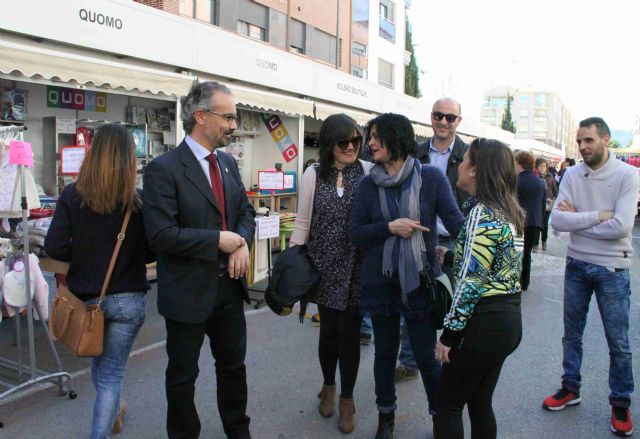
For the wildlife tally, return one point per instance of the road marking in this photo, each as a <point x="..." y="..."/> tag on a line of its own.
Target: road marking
<point x="554" y="300"/>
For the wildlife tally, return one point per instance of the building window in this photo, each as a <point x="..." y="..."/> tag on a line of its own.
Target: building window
<point x="359" y="72"/>
<point x="524" y="98"/>
<point x="541" y="100"/>
<point x="358" y="49"/>
<point x="295" y="49"/>
<point x="524" y="114"/>
<point x="297" y="37"/>
<point x="387" y="26"/>
<point x="324" y="47"/>
<point x="540" y="115"/>
<point x="385" y="73"/>
<point x="251" y="30"/>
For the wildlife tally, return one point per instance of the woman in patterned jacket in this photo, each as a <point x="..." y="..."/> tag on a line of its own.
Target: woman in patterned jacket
<point x="484" y="325"/>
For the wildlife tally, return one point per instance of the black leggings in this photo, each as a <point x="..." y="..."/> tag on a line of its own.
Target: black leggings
<point x="340" y="340"/>
<point x="531" y="234"/>
<point x="471" y="376"/>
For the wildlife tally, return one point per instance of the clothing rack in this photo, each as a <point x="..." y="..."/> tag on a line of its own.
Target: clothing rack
<point x="61" y="378"/>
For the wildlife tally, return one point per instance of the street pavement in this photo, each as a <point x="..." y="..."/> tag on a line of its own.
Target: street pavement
<point x="284" y="378"/>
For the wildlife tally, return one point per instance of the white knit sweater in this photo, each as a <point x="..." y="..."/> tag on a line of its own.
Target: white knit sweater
<point x="613" y="187"/>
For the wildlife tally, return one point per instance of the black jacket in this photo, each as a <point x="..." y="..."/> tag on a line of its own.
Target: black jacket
<point x="532" y="197"/>
<point x="456" y="157"/>
<point x="183" y="224"/>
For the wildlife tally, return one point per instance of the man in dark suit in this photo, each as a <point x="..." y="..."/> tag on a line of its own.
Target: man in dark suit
<point x="532" y="198"/>
<point x="199" y="222"/>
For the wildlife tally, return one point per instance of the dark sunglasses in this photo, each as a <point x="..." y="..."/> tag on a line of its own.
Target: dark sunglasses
<point x="451" y="118"/>
<point x="344" y="144"/>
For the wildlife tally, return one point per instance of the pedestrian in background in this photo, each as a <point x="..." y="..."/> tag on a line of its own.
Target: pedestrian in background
<point x="84" y="230"/>
<point x="394" y="224"/>
<point x="486" y="303"/>
<point x="597" y="204"/>
<point x="201" y="225"/>
<point x="551" y="192"/>
<point x="326" y="199"/>
<point x="531" y="195"/>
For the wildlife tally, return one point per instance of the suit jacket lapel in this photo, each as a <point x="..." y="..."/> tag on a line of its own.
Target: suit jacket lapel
<point x="194" y="173"/>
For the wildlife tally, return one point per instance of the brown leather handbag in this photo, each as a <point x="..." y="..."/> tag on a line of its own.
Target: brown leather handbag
<point x="80" y="327"/>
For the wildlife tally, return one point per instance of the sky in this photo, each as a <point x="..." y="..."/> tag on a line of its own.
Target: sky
<point x="587" y="51"/>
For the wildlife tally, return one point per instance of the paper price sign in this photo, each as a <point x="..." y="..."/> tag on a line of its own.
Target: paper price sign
<point x="268" y="227"/>
<point x="71" y="158"/>
<point x="20" y="153"/>
<point x="270" y="180"/>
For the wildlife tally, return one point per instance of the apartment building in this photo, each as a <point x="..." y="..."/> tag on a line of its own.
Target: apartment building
<point x="537" y="114"/>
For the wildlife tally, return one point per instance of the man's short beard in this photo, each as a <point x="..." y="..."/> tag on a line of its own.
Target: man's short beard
<point x="597" y="158"/>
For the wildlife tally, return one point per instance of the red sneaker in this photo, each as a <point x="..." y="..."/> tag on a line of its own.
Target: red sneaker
<point x="561" y="399"/>
<point x="621" y="424"/>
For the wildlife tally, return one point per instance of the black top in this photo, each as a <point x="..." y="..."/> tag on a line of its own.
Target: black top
<point x="329" y="247"/>
<point x="87" y="240"/>
<point x="531" y="195"/>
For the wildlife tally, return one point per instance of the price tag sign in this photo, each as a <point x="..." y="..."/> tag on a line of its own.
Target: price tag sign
<point x="268" y="227"/>
<point x="65" y="125"/>
<point x="288" y="181"/>
<point x="270" y="180"/>
<point x="71" y="158"/>
<point x="20" y="153"/>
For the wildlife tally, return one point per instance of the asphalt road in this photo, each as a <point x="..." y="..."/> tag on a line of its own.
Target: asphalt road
<point x="284" y="378"/>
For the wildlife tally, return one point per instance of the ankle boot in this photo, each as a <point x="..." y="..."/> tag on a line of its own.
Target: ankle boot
<point x="327" y="400"/>
<point x="346" y="424"/>
<point x="386" y="424"/>
<point x="117" y="424"/>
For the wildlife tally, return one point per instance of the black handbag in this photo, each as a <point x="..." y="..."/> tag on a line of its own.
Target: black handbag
<point x="441" y="299"/>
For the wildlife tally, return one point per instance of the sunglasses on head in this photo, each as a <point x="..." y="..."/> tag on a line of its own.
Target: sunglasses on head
<point x="451" y="118"/>
<point x="344" y="144"/>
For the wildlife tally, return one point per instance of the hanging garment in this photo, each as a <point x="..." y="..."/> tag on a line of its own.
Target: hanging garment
<point x="12" y="286"/>
<point x="10" y="192"/>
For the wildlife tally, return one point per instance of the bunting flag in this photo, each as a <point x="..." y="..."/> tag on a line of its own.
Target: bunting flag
<point x="281" y="136"/>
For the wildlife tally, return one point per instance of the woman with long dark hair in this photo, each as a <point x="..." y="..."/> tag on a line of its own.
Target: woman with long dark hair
<point x="88" y="217"/>
<point x="394" y="224"/>
<point x="326" y="199"/>
<point x="486" y="305"/>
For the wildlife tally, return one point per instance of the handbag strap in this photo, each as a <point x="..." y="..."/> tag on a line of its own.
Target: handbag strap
<point x="116" y="250"/>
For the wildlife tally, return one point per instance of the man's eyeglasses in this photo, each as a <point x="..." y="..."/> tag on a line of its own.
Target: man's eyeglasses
<point x="344" y="144"/>
<point x="451" y="118"/>
<point x="230" y="118"/>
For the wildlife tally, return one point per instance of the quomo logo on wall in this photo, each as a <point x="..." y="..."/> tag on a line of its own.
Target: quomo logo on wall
<point x="60" y="97"/>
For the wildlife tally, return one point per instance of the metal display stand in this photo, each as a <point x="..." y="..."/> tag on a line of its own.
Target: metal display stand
<point x="61" y="378"/>
<point x="260" y="302"/>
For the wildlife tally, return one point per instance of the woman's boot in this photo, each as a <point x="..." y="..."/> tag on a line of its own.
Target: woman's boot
<point x="327" y="400"/>
<point x="346" y="424"/>
<point x="386" y="423"/>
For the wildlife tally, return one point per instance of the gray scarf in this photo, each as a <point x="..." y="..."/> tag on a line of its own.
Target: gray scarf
<point x="412" y="251"/>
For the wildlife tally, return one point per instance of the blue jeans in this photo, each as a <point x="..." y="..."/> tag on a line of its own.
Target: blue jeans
<point x="612" y="290"/>
<point x="124" y="315"/>
<point x="422" y="332"/>
<point x="365" y="325"/>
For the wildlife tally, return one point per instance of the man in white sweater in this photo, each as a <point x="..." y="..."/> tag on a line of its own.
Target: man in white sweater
<point x="597" y="205"/>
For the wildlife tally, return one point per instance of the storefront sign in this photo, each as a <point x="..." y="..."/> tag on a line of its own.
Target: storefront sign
<point x="65" y="125"/>
<point x="281" y="136"/>
<point x="71" y="158"/>
<point x="101" y="19"/>
<point x="70" y="98"/>
<point x="20" y="153"/>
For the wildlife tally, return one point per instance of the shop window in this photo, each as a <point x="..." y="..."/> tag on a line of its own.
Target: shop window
<point x="385" y="73"/>
<point x="251" y="30"/>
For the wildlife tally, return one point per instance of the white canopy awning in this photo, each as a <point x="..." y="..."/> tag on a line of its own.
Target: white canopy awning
<point x="20" y="57"/>
<point x="323" y="110"/>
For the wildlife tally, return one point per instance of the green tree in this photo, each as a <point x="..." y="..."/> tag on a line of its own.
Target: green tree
<point x="507" y="121"/>
<point x="615" y="144"/>
<point x="411" y="85"/>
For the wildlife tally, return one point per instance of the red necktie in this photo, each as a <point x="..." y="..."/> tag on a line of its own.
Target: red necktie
<point x="216" y="185"/>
